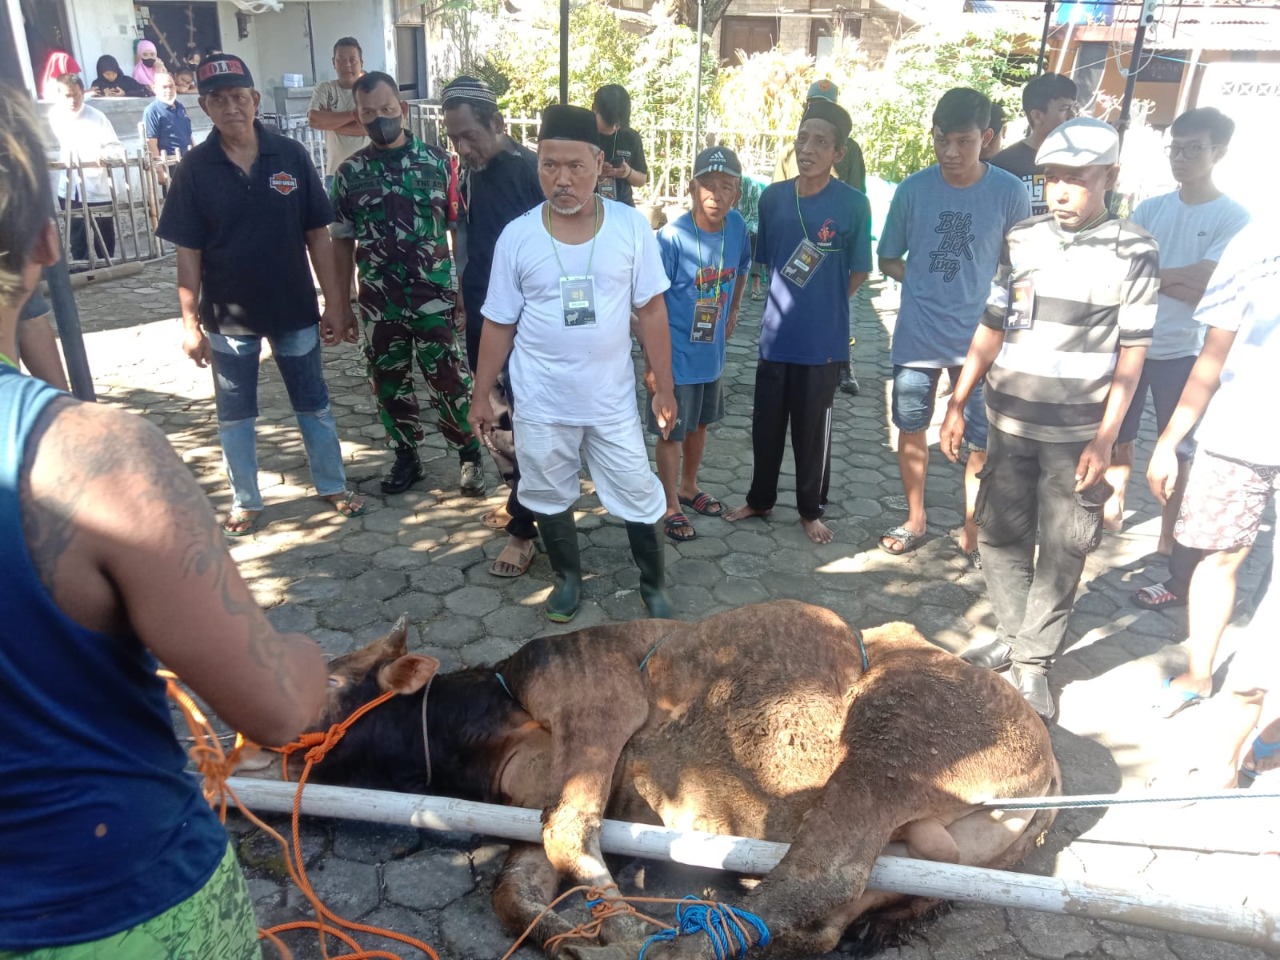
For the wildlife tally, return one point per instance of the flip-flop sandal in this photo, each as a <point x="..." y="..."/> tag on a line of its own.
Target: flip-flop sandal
<point x="496" y="519"/>
<point x="678" y="522"/>
<point x="975" y="558"/>
<point x="904" y="536"/>
<point x="757" y="295"/>
<point x="1261" y="750"/>
<point x="237" y="517"/>
<point x="1172" y="701"/>
<point x="519" y="557"/>
<point x="345" y="503"/>
<point x="1157" y="597"/>
<point x="704" y="504"/>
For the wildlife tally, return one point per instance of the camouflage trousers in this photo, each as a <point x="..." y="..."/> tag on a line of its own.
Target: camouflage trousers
<point x="391" y="347"/>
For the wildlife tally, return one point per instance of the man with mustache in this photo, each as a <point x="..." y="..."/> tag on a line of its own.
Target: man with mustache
<point x="499" y="181"/>
<point x="395" y="201"/>
<point x="566" y="276"/>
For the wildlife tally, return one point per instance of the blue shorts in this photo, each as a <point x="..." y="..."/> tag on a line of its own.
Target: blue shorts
<point x="697" y="404"/>
<point x="915" y="389"/>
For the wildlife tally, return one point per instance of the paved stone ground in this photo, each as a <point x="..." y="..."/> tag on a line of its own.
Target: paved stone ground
<point x="426" y="553"/>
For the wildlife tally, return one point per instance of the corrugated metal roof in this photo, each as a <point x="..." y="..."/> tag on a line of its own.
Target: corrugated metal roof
<point x="1183" y="28"/>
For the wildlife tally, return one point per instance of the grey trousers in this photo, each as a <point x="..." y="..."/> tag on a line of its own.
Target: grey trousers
<point x="1027" y="498"/>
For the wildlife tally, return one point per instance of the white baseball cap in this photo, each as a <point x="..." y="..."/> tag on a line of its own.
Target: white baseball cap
<point x="1080" y="142"/>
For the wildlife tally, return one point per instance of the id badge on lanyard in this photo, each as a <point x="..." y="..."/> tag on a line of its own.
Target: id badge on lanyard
<point x="706" y="314"/>
<point x="607" y="187"/>
<point x="1022" y="305"/>
<point x="803" y="263"/>
<point x="578" y="301"/>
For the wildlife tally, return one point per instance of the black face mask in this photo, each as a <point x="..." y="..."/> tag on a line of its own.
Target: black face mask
<point x="383" y="130"/>
<point x="149" y="61"/>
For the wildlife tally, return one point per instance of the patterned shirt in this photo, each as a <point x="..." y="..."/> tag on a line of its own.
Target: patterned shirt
<point x="398" y="204"/>
<point x="1067" y="302"/>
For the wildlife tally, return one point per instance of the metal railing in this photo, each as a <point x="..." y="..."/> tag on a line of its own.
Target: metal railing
<point x="120" y="227"/>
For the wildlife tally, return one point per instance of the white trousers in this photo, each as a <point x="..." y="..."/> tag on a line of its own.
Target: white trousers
<point x="550" y="457"/>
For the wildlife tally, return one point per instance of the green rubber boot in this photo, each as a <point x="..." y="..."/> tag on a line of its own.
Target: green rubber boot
<point x="560" y="541"/>
<point x="650" y="557"/>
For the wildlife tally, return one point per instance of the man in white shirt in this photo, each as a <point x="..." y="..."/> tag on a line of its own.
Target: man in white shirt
<point x="566" y="276"/>
<point x="1193" y="226"/>
<point x="1235" y="474"/>
<point x="85" y="140"/>
<point x="333" y="108"/>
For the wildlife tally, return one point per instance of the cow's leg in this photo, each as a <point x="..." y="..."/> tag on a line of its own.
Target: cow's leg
<point x="526" y="884"/>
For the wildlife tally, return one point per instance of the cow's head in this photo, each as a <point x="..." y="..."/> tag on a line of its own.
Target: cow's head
<point x="456" y="734"/>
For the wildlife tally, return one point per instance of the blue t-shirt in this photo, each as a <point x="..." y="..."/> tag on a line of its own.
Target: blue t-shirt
<point x="954" y="236"/>
<point x="169" y="126"/>
<point x="810" y="324"/>
<point x="698" y="266"/>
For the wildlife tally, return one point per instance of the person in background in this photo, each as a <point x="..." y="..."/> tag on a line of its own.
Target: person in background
<point x="941" y="241"/>
<point x="165" y="124"/>
<point x="57" y="64"/>
<point x="247" y="212"/>
<point x="749" y="209"/>
<point x="850" y="168"/>
<point x="706" y="253"/>
<point x="184" y="79"/>
<point x="1047" y="100"/>
<point x="107" y="845"/>
<point x="86" y="139"/>
<point x="111" y="82"/>
<point x="37" y="345"/>
<point x="996" y="126"/>
<point x="148" y="66"/>
<point x="499" y="182"/>
<point x="1061" y="344"/>
<point x="1193" y="225"/>
<point x="815" y="237"/>
<point x="333" y="108"/>
<point x="624" y="166"/>
<point x="394" y="202"/>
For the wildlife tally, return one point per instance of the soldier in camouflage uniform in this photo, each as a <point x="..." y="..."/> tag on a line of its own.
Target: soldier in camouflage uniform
<point x="396" y="199"/>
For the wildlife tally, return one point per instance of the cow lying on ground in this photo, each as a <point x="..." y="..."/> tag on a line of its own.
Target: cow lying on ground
<point x="761" y="722"/>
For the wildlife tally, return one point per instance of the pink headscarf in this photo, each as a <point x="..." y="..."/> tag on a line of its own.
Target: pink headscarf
<point x="141" y="72"/>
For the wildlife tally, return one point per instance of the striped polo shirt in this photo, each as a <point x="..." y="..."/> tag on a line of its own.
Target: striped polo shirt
<point x="1079" y="298"/>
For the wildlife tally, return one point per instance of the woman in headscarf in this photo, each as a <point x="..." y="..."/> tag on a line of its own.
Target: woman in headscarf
<point x="144" y="71"/>
<point x="111" y="82"/>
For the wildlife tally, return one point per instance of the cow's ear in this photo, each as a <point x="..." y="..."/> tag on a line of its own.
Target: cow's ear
<point x="407" y="674"/>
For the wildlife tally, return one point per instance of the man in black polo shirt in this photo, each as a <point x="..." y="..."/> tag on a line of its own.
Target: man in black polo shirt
<point x="500" y="182"/>
<point x="245" y="210"/>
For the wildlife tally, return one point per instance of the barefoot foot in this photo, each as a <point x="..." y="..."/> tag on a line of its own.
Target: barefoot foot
<point x="817" y="531"/>
<point x="744" y="511"/>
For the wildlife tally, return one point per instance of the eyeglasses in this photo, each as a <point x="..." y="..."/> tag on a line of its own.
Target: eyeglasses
<point x="1190" y="150"/>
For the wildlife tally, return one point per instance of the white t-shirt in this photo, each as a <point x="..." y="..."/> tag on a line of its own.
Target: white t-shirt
<point x="574" y="375"/>
<point x="84" y="136"/>
<point x="1244" y="295"/>
<point x="1187" y="234"/>
<point x="329" y="95"/>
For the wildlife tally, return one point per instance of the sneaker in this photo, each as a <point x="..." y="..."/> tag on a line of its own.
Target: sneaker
<point x="404" y="473"/>
<point x="472" y="483"/>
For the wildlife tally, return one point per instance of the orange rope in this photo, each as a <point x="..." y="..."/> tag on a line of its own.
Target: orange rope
<point x="216" y="766"/>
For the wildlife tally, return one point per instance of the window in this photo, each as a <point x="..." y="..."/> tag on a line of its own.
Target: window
<point x="822" y="35"/>
<point x="1163" y="67"/>
<point x="179" y="29"/>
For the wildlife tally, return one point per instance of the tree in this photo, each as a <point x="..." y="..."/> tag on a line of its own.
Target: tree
<point x="686" y="13"/>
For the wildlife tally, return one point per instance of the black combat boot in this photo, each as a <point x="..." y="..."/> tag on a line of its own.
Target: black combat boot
<point x="404" y="473"/>
<point x="650" y="557"/>
<point x="560" y="541"/>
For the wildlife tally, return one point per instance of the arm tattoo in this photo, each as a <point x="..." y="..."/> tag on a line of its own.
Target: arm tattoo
<point x="87" y="452"/>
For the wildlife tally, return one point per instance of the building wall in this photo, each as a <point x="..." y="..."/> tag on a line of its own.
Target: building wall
<point x="881" y="25"/>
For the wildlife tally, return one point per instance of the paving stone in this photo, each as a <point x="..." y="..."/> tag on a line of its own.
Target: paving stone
<point x="292" y="618"/>
<point x="468" y="932"/>
<point x="514" y="622"/>
<point x="428" y="880"/>
<point x="356" y="613"/>
<point x="473" y="601"/>
<point x="377" y="584"/>
<point x="1050" y="935"/>
<point x="744" y="565"/>
<point x="453" y="632"/>
<point x="348" y="888"/>
<point x="374" y="842"/>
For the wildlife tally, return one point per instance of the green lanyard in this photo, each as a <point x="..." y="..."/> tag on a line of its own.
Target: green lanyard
<point x="5" y="361"/>
<point x="720" y="269"/>
<point x="806" y="229"/>
<point x="546" y="219"/>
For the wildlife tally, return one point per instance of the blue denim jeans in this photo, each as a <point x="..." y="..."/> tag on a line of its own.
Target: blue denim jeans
<point x="235" y="389"/>
<point x="915" y="390"/>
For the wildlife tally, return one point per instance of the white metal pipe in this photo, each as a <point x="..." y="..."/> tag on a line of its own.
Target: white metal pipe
<point x="1000" y="888"/>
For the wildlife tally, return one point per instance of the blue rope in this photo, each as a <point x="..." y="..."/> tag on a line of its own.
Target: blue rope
<point x="727" y="938"/>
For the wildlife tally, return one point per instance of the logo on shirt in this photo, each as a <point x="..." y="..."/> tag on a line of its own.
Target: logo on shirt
<point x="956" y="230"/>
<point x="283" y="183"/>
<point x="827" y="232"/>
